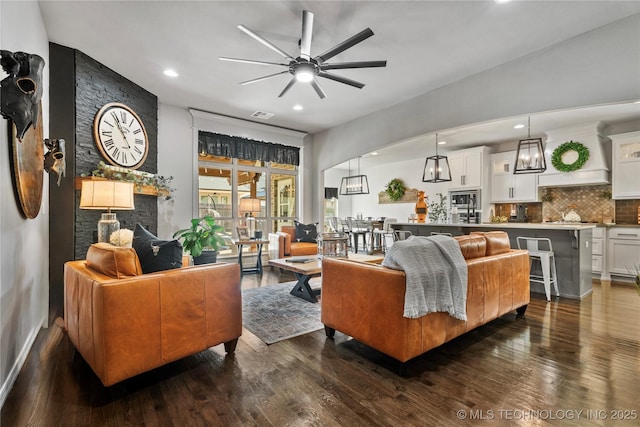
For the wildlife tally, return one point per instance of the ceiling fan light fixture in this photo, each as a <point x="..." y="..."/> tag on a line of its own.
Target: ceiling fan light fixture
<point x="304" y="72"/>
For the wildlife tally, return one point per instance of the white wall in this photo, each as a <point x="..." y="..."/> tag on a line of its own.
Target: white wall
<point x="24" y="244"/>
<point x="597" y="67"/>
<point x="177" y="157"/>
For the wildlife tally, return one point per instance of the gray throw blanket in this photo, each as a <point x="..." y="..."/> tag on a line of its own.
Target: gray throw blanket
<point x="436" y="275"/>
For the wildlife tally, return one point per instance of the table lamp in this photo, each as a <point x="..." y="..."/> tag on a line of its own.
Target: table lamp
<point x="107" y="195"/>
<point x="249" y="206"/>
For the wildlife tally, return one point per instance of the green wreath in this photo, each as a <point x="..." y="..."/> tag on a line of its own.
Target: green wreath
<point x="395" y="189"/>
<point x="556" y="157"/>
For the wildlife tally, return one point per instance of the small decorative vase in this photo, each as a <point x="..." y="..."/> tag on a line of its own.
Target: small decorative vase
<point x="421" y="208"/>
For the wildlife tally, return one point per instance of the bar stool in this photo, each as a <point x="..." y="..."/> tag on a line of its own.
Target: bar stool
<point x="547" y="261"/>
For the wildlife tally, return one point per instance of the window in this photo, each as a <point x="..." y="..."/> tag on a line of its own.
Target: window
<point x="222" y="185"/>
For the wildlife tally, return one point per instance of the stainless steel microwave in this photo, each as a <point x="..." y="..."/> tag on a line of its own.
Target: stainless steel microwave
<point x="464" y="199"/>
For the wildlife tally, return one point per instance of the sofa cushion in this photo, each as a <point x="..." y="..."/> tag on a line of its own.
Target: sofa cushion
<point x="114" y="261"/>
<point x="497" y="241"/>
<point x="156" y="254"/>
<point x="306" y="232"/>
<point x="472" y="246"/>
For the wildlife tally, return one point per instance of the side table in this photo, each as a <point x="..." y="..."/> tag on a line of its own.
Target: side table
<point x="257" y="243"/>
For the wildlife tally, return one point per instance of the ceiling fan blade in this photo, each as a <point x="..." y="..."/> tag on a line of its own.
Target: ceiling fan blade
<point x="359" y="64"/>
<point x="352" y="41"/>
<point x="288" y="86"/>
<point x="307" y="33"/>
<point x="250" y="61"/>
<point x="259" y="79"/>
<point x="318" y="89"/>
<point x="265" y="42"/>
<point x="341" y="79"/>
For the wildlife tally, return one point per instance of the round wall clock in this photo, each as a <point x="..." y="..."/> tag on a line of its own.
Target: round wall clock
<point x="120" y="136"/>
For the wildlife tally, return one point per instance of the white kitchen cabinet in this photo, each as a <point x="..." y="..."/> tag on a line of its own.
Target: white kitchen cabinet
<point x="466" y="168"/>
<point x="626" y="166"/>
<point x="507" y="187"/>
<point x="623" y="252"/>
<point x="597" y="249"/>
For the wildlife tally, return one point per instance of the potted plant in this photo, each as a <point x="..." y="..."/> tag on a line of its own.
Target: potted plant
<point x="202" y="240"/>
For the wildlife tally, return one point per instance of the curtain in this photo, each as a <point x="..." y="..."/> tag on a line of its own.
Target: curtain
<point x="247" y="149"/>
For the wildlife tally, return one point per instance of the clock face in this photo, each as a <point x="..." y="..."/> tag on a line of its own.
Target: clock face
<point x="120" y="136"/>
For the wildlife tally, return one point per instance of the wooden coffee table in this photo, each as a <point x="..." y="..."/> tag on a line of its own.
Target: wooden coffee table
<point x="305" y="267"/>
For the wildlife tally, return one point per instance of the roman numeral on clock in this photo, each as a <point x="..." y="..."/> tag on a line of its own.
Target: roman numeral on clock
<point x="137" y="131"/>
<point x="107" y="133"/>
<point x="139" y="141"/>
<point x="137" y="150"/>
<point x="109" y="143"/>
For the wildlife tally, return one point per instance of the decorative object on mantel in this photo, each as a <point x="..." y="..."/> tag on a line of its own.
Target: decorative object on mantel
<point x="395" y="189"/>
<point x="409" y="196"/>
<point x="354" y="184"/>
<point x="438" y="210"/>
<point x="140" y="179"/>
<point x="557" y="156"/>
<point x="421" y="207"/>
<point x="530" y="155"/>
<point x="436" y="168"/>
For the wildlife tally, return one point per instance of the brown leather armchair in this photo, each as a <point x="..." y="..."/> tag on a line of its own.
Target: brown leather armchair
<point x="366" y="301"/>
<point x="283" y="244"/>
<point x="124" y="322"/>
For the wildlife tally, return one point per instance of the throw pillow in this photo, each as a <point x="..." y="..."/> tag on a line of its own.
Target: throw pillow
<point x="306" y="232"/>
<point x="156" y="254"/>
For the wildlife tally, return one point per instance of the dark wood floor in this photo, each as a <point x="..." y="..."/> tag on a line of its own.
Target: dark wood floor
<point x="562" y="357"/>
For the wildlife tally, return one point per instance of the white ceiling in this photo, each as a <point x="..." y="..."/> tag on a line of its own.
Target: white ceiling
<point x="427" y="44"/>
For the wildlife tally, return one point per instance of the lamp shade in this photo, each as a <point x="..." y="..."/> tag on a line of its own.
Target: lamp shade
<point x="250" y="205"/>
<point x="106" y="195"/>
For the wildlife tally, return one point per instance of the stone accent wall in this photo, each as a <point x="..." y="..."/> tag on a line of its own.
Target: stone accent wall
<point x="96" y="85"/>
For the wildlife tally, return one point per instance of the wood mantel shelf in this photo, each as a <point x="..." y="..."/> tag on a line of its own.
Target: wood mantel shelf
<point x="147" y="190"/>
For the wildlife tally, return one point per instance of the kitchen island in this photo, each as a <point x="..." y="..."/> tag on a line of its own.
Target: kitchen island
<point x="572" y="244"/>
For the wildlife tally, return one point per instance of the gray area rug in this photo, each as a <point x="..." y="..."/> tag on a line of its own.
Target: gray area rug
<point x="272" y="314"/>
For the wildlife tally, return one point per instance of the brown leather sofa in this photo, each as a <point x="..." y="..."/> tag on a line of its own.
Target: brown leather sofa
<point x="366" y="301"/>
<point x="124" y="322"/>
<point x="283" y="244"/>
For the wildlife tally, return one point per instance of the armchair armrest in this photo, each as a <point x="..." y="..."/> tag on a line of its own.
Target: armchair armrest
<point x="280" y="244"/>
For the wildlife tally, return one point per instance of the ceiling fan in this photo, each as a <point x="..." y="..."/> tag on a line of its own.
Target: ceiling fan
<point x="304" y="68"/>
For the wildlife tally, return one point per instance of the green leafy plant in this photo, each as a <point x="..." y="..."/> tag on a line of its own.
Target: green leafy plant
<point x="556" y="157"/>
<point x="635" y="271"/>
<point x="160" y="183"/>
<point x="395" y="189"/>
<point x="438" y="209"/>
<point x="204" y="234"/>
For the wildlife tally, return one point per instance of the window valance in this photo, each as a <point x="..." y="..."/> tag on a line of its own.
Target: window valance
<point x="216" y="144"/>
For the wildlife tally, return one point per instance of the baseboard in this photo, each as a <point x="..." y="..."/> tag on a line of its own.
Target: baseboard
<point x="17" y="366"/>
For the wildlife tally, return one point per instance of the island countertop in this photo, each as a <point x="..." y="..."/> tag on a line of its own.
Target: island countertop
<point x="572" y="247"/>
<point x="521" y="225"/>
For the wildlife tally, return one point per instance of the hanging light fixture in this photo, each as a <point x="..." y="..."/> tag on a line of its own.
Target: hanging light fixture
<point x="530" y="155"/>
<point x="354" y="184"/>
<point x="436" y="168"/>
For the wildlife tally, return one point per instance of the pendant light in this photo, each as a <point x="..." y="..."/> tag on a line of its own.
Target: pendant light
<point x="354" y="184"/>
<point x="436" y="168"/>
<point x="530" y="155"/>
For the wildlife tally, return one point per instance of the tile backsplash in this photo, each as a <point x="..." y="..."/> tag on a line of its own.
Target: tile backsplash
<point x="593" y="204"/>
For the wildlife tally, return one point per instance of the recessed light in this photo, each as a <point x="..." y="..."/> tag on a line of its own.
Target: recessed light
<point x="170" y="73"/>
<point x="297" y="107"/>
<point x="374" y="153"/>
<point x="442" y="142"/>
<point x="502" y="1"/>
<point x="518" y="126"/>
